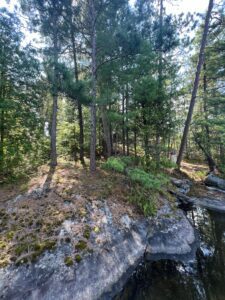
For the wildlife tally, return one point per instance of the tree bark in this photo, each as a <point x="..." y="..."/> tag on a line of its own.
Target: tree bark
<point x="160" y="84"/>
<point x="123" y="123"/>
<point x="196" y="84"/>
<point x="80" y="111"/>
<point x="55" y="104"/>
<point x="94" y="87"/>
<point x="127" y="127"/>
<point x="106" y="130"/>
<point x="2" y="135"/>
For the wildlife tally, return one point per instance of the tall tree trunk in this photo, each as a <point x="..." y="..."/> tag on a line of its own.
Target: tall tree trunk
<point x="2" y="136"/>
<point x="106" y="130"/>
<point x="123" y="123"/>
<point x="55" y="103"/>
<point x="94" y="88"/>
<point x="160" y="84"/>
<point x="76" y="75"/>
<point x="81" y="133"/>
<point x="127" y="127"/>
<point x="196" y="84"/>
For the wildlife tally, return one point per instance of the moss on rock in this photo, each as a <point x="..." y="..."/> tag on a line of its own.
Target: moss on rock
<point x="68" y="261"/>
<point x="81" y="245"/>
<point x="78" y="258"/>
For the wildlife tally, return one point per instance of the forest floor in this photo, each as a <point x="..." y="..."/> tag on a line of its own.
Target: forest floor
<point x="31" y="215"/>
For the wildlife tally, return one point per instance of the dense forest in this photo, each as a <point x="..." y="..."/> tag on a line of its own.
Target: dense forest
<point x="109" y="79"/>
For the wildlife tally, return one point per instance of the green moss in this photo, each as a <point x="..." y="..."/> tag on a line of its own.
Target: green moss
<point x="87" y="232"/>
<point x="68" y="261"/>
<point x="4" y="263"/>
<point x="3" y="245"/>
<point x="78" y="258"/>
<point x="44" y="245"/>
<point x="10" y="235"/>
<point x="81" y="245"/>
<point x="96" y="229"/>
<point x="21" y="248"/>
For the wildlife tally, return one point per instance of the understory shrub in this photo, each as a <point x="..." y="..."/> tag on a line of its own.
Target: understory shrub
<point x="115" y="164"/>
<point x="147" y="180"/>
<point x="144" y="200"/>
<point x="145" y="186"/>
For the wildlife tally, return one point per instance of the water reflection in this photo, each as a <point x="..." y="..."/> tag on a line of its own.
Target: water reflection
<point x="202" y="279"/>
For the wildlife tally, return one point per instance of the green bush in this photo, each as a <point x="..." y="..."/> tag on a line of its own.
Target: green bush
<point x="166" y="163"/>
<point x="147" y="180"/>
<point x="115" y="164"/>
<point x="144" y="200"/>
<point x="129" y="161"/>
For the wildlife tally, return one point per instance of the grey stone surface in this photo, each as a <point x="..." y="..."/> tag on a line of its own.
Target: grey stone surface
<point x="183" y="185"/>
<point x="208" y="203"/>
<point x="102" y="274"/>
<point x="215" y="181"/>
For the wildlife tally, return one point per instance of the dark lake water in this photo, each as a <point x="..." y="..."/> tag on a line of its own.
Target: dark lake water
<point x="201" y="279"/>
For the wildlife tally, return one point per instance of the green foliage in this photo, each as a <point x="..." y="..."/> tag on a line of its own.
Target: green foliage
<point x="167" y="163"/>
<point x="21" y="102"/>
<point x="144" y="200"/>
<point x="68" y="261"/>
<point x="115" y="164"/>
<point x="147" y="180"/>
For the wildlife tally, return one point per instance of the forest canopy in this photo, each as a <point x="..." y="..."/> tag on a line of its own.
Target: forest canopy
<point x="110" y="79"/>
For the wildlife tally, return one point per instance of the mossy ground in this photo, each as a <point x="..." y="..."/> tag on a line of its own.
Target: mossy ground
<point x="30" y="226"/>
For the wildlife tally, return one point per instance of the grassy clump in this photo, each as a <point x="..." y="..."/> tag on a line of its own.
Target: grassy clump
<point x="146" y="188"/>
<point x="115" y="164"/>
<point x="119" y="164"/>
<point x="144" y="200"/>
<point x="147" y="180"/>
<point x="130" y="161"/>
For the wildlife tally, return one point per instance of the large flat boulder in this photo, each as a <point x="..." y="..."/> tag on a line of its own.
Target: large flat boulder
<point x="102" y="273"/>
